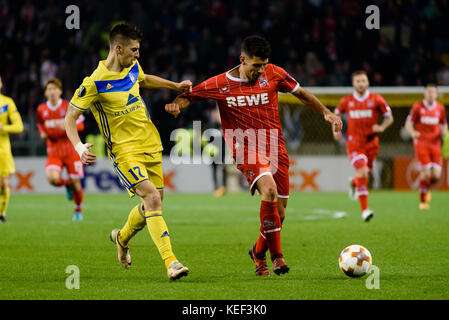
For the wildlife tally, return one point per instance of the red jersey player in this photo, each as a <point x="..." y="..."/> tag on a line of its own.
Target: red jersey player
<point x="60" y="151"/>
<point x="426" y="124"/>
<point x="247" y="97"/>
<point x="362" y="141"/>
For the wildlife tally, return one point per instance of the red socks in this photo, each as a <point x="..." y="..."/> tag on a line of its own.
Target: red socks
<point x="261" y="244"/>
<point x="423" y="187"/>
<point x="270" y="230"/>
<point x="77" y="196"/>
<point x="362" y="191"/>
<point x="78" y="199"/>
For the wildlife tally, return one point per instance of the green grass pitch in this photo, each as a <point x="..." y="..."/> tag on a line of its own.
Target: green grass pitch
<point x="212" y="237"/>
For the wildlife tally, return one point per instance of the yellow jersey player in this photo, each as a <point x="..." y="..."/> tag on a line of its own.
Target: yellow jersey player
<point x="10" y="122"/>
<point x="133" y="142"/>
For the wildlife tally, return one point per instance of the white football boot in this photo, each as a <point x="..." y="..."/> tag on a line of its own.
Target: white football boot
<point x="122" y="253"/>
<point x="352" y="191"/>
<point x="176" y="270"/>
<point x="367" y="214"/>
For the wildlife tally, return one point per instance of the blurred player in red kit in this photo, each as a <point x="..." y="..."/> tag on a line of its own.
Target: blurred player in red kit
<point x="60" y="151"/>
<point x="247" y="97"/>
<point x="362" y="141"/>
<point x="426" y="124"/>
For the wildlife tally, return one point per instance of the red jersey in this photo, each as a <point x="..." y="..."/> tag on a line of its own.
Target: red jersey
<point x="50" y="119"/>
<point x="362" y="114"/>
<point x="427" y="120"/>
<point x="249" y="112"/>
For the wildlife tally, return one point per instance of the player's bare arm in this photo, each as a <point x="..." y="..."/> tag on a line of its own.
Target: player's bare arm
<point x="338" y="135"/>
<point x="411" y="130"/>
<point x="386" y="122"/>
<point x="86" y="156"/>
<point x="151" y="81"/>
<point x="178" y="105"/>
<point x="312" y="102"/>
<point x="443" y="130"/>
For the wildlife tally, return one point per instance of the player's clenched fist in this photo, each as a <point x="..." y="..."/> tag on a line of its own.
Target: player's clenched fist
<point x="335" y="120"/>
<point x="173" y="108"/>
<point x="86" y="156"/>
<point x="185" y="86"/>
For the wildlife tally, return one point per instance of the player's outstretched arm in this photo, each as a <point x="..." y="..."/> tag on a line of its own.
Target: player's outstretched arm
<point x="151" y="81"/>
<point x="312" y="102"/>
<point x="71" y="116"/>
<point x="178" y="105"/>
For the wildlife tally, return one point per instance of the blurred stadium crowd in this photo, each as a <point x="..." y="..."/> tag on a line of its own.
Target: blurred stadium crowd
<point x="319" y="42"/>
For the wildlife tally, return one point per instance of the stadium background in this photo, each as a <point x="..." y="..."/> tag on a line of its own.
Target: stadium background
<point x="318" y="42"/>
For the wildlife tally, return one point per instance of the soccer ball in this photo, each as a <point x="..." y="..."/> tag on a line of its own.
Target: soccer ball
<point x="355" y="261"/>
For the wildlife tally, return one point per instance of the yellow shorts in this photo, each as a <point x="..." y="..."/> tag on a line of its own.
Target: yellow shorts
<point x="6" y="165"/>
<point x="135" y="168"/>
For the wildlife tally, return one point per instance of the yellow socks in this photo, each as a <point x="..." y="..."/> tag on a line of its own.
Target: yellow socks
<point x="156" y="226"/>
<point x="159" y="233"/>
<point x="4" y="200"/>
<point x="135" y="223"/>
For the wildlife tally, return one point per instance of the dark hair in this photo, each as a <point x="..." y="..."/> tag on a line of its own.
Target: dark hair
<point x="432" y="85"/>
<point x="256" y="46"/>
<point x="123" y="32"/>
<point x="358" y="73"/>
<point x="54" y="81"/>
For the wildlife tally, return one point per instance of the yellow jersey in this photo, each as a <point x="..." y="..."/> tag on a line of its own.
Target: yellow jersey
<point x="11" y="122"/>
<point x="120" y="112"/>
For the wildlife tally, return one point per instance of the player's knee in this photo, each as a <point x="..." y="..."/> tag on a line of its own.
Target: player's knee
<point x="152" y="200"/>
<point x="425" y="174"/>
<point x="435" y="176"/>
<point x="270" y="193"/>
<point x="363" y="172"/>
<point x="53" y="180"/>
<point x="435" y="172"/>
<point x="366" y="173"/>
<point x="53" y="177"/>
